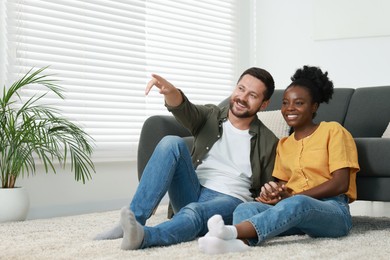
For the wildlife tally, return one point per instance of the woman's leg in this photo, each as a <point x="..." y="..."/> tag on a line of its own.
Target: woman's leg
<point x="222" y="238"/>
<point x="317" y="218"/>
<point x="247" y="210"/>
<point x="298" y="214"/>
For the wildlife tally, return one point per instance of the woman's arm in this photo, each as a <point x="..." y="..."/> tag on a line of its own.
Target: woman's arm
<point x="339" y="184"/>
<point x="273" y="192"/>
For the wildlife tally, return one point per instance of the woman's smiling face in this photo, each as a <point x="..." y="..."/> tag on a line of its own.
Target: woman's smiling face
<point x="298" y="107"/>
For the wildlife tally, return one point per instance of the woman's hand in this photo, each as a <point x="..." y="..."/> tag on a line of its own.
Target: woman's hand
<point x="273" y="192"/>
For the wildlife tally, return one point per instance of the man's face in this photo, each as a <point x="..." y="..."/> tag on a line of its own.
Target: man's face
<point x="248" y="97"/>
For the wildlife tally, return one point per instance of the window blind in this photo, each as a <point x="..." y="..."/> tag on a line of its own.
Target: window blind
<point x="103" y="52"/>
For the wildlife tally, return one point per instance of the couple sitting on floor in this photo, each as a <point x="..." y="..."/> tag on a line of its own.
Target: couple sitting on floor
<point x="240" y="173"/>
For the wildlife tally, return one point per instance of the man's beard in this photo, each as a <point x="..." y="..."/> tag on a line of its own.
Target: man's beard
<point x="246" y="114"/>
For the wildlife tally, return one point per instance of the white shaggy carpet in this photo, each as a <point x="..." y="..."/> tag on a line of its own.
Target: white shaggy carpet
<point x="71" y="238"/>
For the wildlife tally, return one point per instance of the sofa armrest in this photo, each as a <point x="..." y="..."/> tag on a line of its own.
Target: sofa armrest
<point x="153" y="130"/>
<point x="373" y="155"/>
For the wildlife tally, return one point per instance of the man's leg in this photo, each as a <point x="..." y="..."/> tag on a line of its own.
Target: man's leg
<point x="133" y="231"/>
<point x="191" y="221"/>
<point x="169" y="166"/>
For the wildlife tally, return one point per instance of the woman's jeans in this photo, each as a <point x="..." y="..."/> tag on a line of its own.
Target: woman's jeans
<point x="299" y="214"/>
<point x="170" y="169"/>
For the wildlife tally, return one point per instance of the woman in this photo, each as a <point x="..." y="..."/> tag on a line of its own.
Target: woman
<point x="315" y="169"/>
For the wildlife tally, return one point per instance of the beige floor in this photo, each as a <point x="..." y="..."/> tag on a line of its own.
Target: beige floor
<point x="370" y="208"/>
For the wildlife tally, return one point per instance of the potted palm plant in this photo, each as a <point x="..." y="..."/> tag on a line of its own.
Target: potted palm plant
<point x="32" y="131"/>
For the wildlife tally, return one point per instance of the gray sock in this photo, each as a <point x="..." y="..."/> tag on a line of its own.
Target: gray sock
<point x="114" y="233"/>
<point x="133" y="232"/>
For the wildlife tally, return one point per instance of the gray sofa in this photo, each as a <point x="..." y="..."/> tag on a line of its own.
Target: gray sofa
<point x="365" y="112"/>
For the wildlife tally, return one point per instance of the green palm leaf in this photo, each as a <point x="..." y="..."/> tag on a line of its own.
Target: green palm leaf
<point x="31" y="131"/>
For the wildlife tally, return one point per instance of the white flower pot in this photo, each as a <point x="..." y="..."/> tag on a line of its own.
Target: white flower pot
<point x="14" y="204"/>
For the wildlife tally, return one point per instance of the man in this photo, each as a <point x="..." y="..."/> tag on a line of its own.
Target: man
<point x="233" y="157"/>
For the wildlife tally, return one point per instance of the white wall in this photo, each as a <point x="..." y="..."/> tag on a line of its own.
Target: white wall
<point x="281" y="41"/>
<point x="59" y="194"/>
<point x="285" y="40"/>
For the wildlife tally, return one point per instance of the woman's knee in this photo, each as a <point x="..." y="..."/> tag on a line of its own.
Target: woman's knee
<point x="247" y="210"/>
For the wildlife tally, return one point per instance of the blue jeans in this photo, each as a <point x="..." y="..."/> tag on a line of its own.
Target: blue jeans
<point x="170" y="169"/>
<point x="299" y="214"/>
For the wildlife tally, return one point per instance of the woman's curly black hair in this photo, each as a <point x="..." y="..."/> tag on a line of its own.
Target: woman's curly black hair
<point x="316" y="81"/>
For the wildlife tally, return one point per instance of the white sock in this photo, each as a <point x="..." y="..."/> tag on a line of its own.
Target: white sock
<point x="133" y="232"/>
<point x="215" y="245"/>
<point x="217" y="228"/>
<point x="114" y="233"/>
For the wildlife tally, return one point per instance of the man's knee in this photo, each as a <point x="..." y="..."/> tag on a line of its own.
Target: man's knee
<point x="171" y="141"/>
<point x="194" y="210"/>
<point x="195" y="214"/>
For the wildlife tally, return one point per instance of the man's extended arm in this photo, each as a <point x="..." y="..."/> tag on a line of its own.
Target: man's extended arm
<point x="172" y="95"/>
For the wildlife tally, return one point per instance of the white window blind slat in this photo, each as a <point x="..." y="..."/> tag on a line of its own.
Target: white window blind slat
<point x="110" y="10"/>
<point x="103" y="52"/>
<point x="96" y="68"/>
<point x="78" y="28"/>
<point x="71" y="38"/>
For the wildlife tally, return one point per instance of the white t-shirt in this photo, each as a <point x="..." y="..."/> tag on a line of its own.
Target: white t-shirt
<point x="227" y="167"/>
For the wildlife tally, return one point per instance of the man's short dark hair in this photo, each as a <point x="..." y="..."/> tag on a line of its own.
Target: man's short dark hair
<point x="264" y="76"/>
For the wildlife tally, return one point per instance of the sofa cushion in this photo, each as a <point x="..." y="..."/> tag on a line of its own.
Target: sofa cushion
<point x="275" y="122"/>
<point x="337" y="107"/>
<point x="369" y="112"/>
<point x="386" y="134"/>
<point x="373" y="189"/>
<point x="335" y="110"/>
<point x="373" y="156"/>
<point x="155" y="128"/>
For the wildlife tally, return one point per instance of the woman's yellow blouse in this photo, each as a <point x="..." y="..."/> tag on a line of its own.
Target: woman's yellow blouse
<point x="311" y="161"/>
